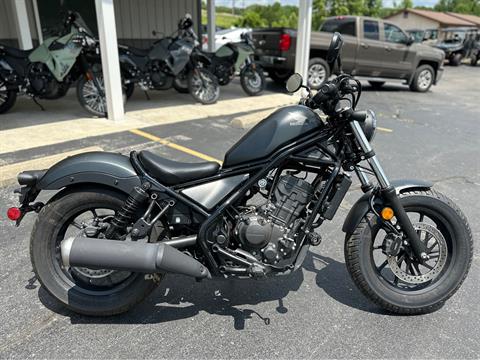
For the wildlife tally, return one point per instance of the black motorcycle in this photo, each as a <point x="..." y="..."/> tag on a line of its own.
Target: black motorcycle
<point x="48" y="71"/>
<point x="228" y="60"/>
<point x="156" y="68"/>
<point x="119" y="223"/>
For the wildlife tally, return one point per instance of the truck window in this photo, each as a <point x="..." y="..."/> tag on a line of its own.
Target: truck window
<point x="345" y="26"/>
<point x="394" y="34"/>
<point x="370" y="30"/>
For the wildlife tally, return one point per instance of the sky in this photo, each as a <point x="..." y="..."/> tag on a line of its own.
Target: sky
<point x="243" y="3"/>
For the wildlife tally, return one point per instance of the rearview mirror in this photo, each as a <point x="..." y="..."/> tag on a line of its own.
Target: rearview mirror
<point x="334" y="49"/>
<point x="294" y="83"/>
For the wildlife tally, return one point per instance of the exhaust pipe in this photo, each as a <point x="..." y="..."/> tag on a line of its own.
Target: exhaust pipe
<point x="129" y="256"/>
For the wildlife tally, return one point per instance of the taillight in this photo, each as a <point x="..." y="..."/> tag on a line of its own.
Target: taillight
<point x="285" y="42"/>
<point x="14" y="213"/>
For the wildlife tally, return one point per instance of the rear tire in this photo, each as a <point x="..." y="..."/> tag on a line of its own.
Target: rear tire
<point x="455" y="60"/>
<point x="71" y="291"/>
<point x="376" y="84"/>
<point x="422" y="79"/>
<point x="7" y="97"/>
<point x="426" y="296"/>
<point x="279" y="77"/>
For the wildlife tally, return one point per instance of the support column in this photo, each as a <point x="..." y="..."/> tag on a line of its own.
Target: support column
<point x="23" y="27"/>
<point x="302" y="52"/>
<point x="211" y="24"/>
<point x="107" y="34"/>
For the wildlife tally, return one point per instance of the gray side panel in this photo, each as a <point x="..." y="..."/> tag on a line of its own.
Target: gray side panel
<point x="208" y="195"/>
<point x="105" y="168"/>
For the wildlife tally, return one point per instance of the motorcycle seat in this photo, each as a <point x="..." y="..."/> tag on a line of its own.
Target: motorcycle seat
<point x="18" y="53"/>
<point x="138" y="52"/>
<point x="30" y="177"/>
<point x="171" y="172"/>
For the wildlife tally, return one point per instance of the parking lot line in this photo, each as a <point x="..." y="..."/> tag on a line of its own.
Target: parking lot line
<point x="384" y="129"/>
<point x="174" y="146"/>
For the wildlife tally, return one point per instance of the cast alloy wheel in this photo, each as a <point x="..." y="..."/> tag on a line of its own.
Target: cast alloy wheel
<point x="316" y="75"/>
<point x="425" y="79"/>
<point x="203" y="86"/>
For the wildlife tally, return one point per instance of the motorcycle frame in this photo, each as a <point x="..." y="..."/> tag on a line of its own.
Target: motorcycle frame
<point x="261" y="168"/>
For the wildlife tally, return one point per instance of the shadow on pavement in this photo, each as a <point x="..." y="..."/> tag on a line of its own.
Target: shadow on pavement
<point x="228" y="297"/>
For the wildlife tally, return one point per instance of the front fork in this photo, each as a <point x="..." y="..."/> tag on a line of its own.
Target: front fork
<point x="387" y="191"/>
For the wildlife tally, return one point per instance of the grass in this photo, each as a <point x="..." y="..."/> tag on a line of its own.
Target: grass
<point x="223" y="20"/>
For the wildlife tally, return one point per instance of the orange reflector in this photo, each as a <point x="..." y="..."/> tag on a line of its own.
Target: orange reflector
<point x="387" y="213"/>
<point x="89" y="75"/>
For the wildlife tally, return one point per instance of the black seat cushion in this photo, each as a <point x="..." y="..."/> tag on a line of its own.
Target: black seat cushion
<point x="30" y="177"/>
<point x="171" y="172"/>
<point x="18" y="53"/>
<point x="138" y="52"/>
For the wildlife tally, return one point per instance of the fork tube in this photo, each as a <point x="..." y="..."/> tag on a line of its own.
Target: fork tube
<point x="367" y="149"/>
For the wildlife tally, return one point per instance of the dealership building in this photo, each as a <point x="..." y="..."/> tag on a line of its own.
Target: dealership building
<point x="25" y="23"/>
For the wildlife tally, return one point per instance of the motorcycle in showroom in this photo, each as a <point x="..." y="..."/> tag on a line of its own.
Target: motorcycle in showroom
<point x="229" y="60"/>
<point x="48" y="71"/>
<point x="156" y="68"/>
<point x="119" y="224"/>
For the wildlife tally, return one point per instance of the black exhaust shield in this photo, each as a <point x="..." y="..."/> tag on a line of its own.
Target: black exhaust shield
<point x="129" y="255"/>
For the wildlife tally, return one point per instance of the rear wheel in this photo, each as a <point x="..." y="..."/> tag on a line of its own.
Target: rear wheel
<point x="455" y="59"/>
<point x="376" y="84"/>
<point x="422" y="79"/>
<point x="7" y="97"/>
<point x="279" y="76"/>
<point x="318" y="73"/>
<point x="98" y="292"/>
<point x="203" y="86"/>
<point x="399" y="283"/>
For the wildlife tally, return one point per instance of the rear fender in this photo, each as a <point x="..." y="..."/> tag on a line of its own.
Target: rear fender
<point x="110" y="169"/>
<point x="362" y="206"/>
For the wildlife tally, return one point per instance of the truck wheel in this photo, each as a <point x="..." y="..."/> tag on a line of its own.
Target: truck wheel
<point x="376" y="84"/>
<point x="455" y="60"/>
<point x="318" y="73"/>
<point x="279" y="76"/>
<point x="423" y="78"/>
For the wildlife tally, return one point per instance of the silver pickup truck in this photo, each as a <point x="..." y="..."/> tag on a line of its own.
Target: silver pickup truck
<point x="374" y="49"/>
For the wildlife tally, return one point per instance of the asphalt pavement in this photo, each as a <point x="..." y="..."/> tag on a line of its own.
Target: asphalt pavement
<point x="315" y="313"/>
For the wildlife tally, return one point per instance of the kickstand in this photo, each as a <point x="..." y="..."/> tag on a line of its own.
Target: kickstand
<point x="146" y="94"/>
<point x="36" y="102"/>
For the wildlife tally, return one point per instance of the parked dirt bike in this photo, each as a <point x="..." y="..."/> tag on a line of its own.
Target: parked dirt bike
<point x="156" y="68"/>
<point x="119" y="223"/>
<point x="48" y="71"/>
<point x="230" y="59"/>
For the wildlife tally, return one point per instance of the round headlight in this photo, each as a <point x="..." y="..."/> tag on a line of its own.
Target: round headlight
<point x="370" y="125"/>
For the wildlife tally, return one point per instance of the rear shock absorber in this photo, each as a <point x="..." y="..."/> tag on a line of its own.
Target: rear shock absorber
<point x="126" y="214"/>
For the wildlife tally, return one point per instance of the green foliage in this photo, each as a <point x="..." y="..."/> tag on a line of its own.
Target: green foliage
<point x="459" y="6"/>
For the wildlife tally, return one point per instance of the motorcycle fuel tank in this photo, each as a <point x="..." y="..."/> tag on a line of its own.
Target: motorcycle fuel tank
<point x="275" y="131"/>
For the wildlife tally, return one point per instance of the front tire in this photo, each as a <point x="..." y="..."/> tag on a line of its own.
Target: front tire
<point x="455" y="60"/>
<point x="203" y="86"/>
<point x="422" y="79"/>
<point x="418" y="288"/>
<point x="84" y="291"/>
<point x="7" y="97"/>
<point x="252" y="79"/>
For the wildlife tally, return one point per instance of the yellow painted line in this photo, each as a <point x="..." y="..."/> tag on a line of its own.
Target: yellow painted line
<point x="384" y="129"/>
<point x="8" y="173"/>
<point x="174" y="146"/>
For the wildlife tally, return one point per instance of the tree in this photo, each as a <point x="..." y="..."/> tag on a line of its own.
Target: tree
<point x="251" y="19"/>
<point x="406" y="4"/>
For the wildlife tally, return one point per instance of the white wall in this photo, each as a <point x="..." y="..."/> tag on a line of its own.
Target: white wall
<point x="413" y="21"/>
<point x="8" y="30"/>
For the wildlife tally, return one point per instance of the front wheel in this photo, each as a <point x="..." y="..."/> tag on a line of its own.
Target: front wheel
<point x="422" y="79"/>
<point x="97" y="292"/>
<point x="252" y="79"/>
<point x="203" y="86"/>
<point x="91" y="94"/>
<point x="455" y="59"/>
<point x="7" y="97"/>
<point x="399" y="283"/>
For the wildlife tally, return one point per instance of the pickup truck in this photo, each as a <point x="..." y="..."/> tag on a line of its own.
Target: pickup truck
<point x="373" y="48"/>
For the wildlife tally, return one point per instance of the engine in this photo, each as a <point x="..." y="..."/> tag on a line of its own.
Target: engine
<point x="43" y="84"/>
<point x="269" y="232"/>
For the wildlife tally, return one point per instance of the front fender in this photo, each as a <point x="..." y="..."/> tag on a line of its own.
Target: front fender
<point x="111" y="169"/>
<point x="362" y="206"/>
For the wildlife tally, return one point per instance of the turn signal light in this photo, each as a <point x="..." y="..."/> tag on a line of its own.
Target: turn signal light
<point x="387" y="213"/>
<point x="14" y="213"/>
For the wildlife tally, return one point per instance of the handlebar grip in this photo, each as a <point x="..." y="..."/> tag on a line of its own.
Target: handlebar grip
<point x="359" y="116"/>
